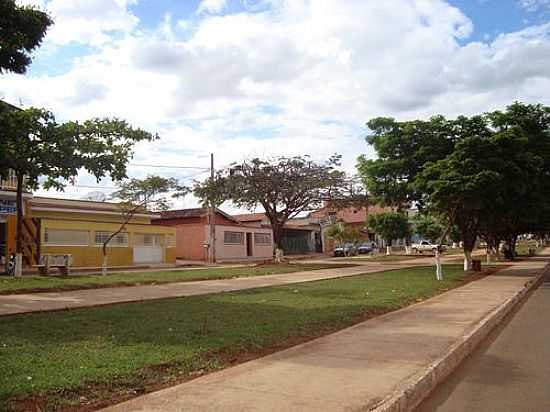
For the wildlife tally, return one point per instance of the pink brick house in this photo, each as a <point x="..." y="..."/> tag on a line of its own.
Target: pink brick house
<point x="235" y="241"/>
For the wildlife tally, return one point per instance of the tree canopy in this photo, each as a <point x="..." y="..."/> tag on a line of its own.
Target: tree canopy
<point x="22" y="29"/>
<point x="390" y="226"/>
<point x="282" y="186"/>
<point x="42" y="152"/>
<point x="487" y="175"/>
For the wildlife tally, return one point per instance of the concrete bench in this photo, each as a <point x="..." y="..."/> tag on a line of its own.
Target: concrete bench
<point x="57" y="261"/>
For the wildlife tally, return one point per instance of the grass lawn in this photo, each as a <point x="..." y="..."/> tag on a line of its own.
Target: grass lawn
<point x="9" y="285"/>
<point x="81" y="357"/>
<point x="382" y="258"/>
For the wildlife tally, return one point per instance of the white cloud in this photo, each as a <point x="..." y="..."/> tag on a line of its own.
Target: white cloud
<point x="298" y="77"/>
<point x="534" y="5"/>
<point x="211" y="6"/>
<point x="86" y="21"/>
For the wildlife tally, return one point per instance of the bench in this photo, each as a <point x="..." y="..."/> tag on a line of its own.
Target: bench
<point x="57" y="261"/>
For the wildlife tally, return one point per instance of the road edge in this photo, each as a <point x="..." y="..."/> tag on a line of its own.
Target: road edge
<point x="415" y="390"/>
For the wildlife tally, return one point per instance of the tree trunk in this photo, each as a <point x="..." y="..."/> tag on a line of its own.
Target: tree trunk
<point x="19" y="228"/>
<point x="104" y="262"/>
<point x="467" y="260"/>
<point x="277" y="255"/>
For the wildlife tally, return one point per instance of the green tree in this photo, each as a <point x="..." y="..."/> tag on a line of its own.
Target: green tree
<point x="22" y="29"/>
<point x="343" y="233"/>
<point x="139" y="196"/>
<point x="402" y="149"/>
<point x="42" y="152"/>
<point x="428" y="227"/>
<point x="283" y="186"/>
<point x="389" y="226"/>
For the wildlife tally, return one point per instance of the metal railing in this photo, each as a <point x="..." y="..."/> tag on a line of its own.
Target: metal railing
<point x="10" y="183"/>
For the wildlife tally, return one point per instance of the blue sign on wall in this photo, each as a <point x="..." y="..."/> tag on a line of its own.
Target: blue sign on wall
<point x="8" y="207"/>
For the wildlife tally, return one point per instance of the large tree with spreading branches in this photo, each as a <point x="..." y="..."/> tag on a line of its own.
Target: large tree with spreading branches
<point x="282" y="186"/>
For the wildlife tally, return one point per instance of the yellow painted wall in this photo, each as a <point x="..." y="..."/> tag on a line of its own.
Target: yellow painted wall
<point x="91" y="255"/>
<point x="94" y="217"/>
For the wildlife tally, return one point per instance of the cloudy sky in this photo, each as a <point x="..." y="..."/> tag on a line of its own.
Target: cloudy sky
<point x="241" y="78"/>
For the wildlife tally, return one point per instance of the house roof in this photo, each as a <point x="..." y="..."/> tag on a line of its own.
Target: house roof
<point x="194" y="212"/>
<point x="83" y="206"/>
<point x="183" y="213"/>
<point x="250" y="217"/>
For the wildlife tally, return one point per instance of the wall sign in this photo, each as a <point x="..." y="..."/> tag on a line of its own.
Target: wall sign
<point x="8" y="207"/>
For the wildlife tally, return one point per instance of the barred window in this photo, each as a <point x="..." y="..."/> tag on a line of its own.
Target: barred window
<point x="233" y="238"/>
<point x="120" y="239"/>
<point x="64" y="237"/>
<point x="262" y="239"/>
<point x="148" y="239"/>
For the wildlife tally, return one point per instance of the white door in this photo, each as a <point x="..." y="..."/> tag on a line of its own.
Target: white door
<point x="148" y="248"/>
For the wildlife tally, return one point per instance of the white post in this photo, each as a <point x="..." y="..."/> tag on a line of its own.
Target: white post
<point x="104" y="266"/>
<point x="438" y="266"/>
<point x="388" y="250"/>
<point x="18" y="265"/>
<point x="467" y="260"/>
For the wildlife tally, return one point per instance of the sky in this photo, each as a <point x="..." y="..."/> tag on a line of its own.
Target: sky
<point x="244" y="78"/>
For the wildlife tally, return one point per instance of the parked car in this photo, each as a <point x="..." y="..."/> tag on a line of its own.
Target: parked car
<point x="348" y="249"/>
<point x="365" y="248"/>
<point x="425" y="246"/>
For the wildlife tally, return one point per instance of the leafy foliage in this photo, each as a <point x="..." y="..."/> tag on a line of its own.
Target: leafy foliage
<point x="428" y="227"/>
<point x="486" y="175"/>
<point x="42" y="152"/>
<point x="283" y="186"/>
<point x="22" y="29"/>
<point x="342" y="233"/>
<point x="389" y="225"/>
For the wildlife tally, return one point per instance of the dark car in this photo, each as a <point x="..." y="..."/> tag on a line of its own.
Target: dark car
<point x="347" y="250"/>
<point x="364" y="249"/>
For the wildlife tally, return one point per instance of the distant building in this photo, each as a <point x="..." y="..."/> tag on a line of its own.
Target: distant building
<point x="300" y="235"/>
<point x="235" y="240"/>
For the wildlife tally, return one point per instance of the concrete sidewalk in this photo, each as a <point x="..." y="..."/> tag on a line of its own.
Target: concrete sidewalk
<point x="355" y="369"/>
<point x="47" y="301"/>
<point x="509" y="372"/>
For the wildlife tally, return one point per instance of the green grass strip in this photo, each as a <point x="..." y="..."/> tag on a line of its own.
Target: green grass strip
<point x="25" y="284"/>
<point x="54" y="353"/>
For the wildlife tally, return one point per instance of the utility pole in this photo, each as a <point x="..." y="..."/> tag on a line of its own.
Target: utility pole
<point x="212" y="216"/>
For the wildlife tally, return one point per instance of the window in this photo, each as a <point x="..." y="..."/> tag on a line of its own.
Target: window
<point x="119" y="240"/>
<point x="233" y="238"/>
<point x="148" y="239"/>
<point x="170" y="241"/>
<point x="262" y="239"/>
<point x="63" y="237"/>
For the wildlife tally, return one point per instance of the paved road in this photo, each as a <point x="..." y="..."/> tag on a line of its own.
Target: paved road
<point x="510" y="372"/>
<point x="350" y="370"/>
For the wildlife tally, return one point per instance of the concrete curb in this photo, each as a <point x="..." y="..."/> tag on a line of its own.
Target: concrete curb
<point x="417" y="388"/>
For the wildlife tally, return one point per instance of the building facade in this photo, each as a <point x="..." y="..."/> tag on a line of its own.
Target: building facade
<point x="234" y="241"/>
<point x="78" y="228"/>
<point x="301" y="235"/>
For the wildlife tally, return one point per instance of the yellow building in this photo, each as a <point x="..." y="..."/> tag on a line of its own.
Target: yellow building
<point x="79" y="228"/>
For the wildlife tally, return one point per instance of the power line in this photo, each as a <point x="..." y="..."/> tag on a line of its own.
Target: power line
<point x="170" y="167"/>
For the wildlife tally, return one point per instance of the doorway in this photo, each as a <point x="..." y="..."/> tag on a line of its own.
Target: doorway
<point x="249" y="244"/>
